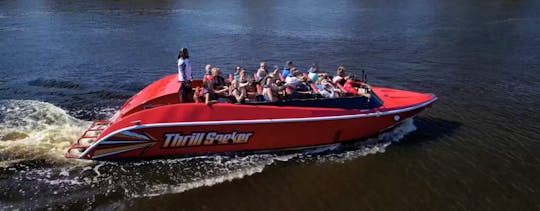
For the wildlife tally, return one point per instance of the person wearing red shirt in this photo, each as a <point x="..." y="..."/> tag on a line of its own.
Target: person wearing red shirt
<point x="356" y="87"/>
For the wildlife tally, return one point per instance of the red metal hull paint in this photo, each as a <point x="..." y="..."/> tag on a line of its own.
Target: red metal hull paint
<point x="173" y="129"/>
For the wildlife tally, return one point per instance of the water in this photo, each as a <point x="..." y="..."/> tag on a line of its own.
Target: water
<point x="36" y="175"/>
<point x="63" y="64"/>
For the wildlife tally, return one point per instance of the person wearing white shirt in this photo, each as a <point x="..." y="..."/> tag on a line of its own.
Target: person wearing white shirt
<point x="340" y="76"/>
<point x="292" y="80"/>
<point x="261" y="72"/>
<point x="184" y="74"/>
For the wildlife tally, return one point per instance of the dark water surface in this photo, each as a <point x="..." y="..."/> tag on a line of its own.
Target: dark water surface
<point x="64" y="63"/>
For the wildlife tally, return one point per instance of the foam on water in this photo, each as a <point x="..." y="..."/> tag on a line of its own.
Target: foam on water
<point x="223" y="169"/>
<point x="33" y="130"/>
<point x="337" y="153"/>
<point x="371" y="146"/>
<point x="35" y="173"/>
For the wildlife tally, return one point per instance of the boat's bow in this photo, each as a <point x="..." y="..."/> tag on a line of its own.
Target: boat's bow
<point x="394" y="99"/>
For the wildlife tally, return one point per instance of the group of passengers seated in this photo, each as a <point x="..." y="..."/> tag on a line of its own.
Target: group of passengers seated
<point x="271" y="86"/>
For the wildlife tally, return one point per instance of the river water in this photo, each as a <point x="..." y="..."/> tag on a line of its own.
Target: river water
<point x="65" y="63"/>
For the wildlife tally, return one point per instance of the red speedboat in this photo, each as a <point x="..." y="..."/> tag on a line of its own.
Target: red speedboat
<point x="153" y="124"/>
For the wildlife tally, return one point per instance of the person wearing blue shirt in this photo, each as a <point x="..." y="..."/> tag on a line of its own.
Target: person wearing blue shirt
<point x="288" y="66"/>
<point x="236" y="73"/>
<point x="313" y="73"/>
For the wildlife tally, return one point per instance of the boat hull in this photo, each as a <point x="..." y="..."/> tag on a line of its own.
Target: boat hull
<point x="152" y="123"/>
<point x="177" y="139"/>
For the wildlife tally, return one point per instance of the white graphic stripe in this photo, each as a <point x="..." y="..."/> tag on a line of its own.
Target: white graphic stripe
<point x="136" y="135"/>
<point x="123" y="142"/>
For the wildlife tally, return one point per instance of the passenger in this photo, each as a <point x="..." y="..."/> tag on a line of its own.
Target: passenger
<point x="198" y="95"/>
<point x="240" y="87"/>
<point x="261" y="72"/>
<point x="218" y="81"/>
<point x="184" y="74"/>
<point x="270" y="89"/>
<point x="303" y="84"/>
<point x="209" y="96"/>
<point x="236" y="73"/>
<point x="208" y="69"/>
<point x="279" y="82"/>
<point x="340" y="76"/>
<point x="275" y="74"/>
<point x="292" y="79"/>
<point x="356" y="87"/>
<point x="288" y="66"/>
<point x="247" y="76"/>
<point x="326" y="89"/>
<point x="297" y="80"/>
<point x="313" y="73"/>
<point x="267" y="92"/>
<point x="208" y="72"/>
<point x="296" y="83"/>
<point x="215" y="88"/>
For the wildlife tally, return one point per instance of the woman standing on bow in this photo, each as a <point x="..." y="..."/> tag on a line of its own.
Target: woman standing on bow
<point x="184" y="74"/>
